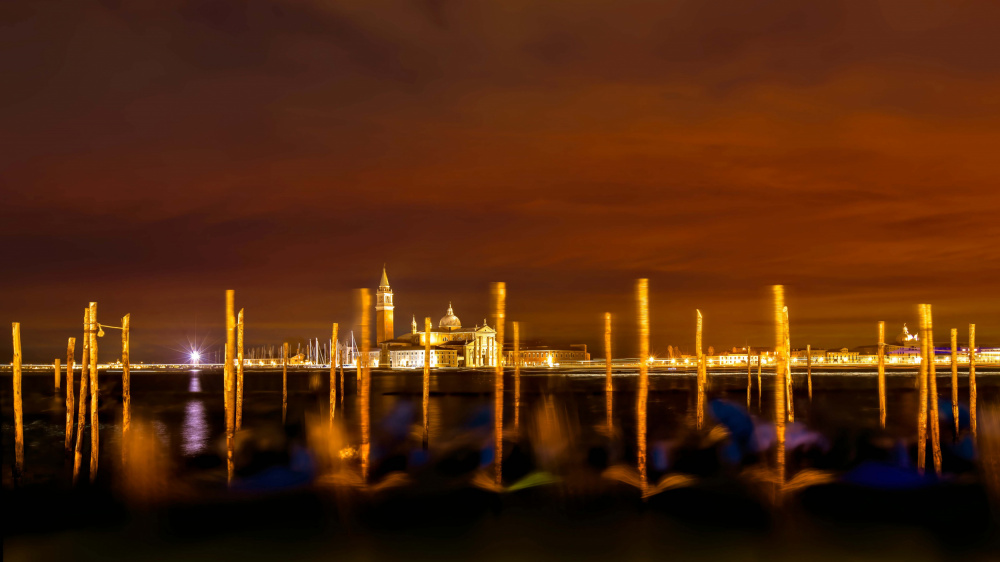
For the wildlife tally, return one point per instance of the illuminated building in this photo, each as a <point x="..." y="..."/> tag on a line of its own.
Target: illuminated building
<point x="383" y="311"/>
<point x="546" y="356"/>
<point x="451" y="344"/>
<point x="842" y="355"/>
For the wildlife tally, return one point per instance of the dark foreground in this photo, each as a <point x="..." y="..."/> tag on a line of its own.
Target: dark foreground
<point x="570" y="488"/>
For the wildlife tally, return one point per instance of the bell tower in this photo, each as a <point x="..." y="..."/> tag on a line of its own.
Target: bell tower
<point x="383" y="311"/>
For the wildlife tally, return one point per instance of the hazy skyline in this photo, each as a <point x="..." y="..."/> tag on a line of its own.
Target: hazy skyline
<point x="152" y="156"/>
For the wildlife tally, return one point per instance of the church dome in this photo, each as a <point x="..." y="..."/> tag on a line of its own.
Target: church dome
<point x="449" y="320"/>
<point x="905" y="337"/>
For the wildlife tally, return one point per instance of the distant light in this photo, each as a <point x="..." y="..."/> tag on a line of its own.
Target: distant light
<point x="195" y="356"/>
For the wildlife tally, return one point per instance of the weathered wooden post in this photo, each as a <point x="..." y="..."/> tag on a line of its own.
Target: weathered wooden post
<point x="57" y="366"/>
<point x="70" y="402"/>
<point x="935" y="418"/>
<point x="609" y="388"/>
<point x="642" y="302"/>
<point x="333" y="374"/>
<point x="789" y="386"/>
<point x="81" y="419"/>
<point x="749" y="378"/>
<point x="126" y="389"/>
<point x="972" y="381"/>
<point x="18" y="406"/>
<point x="809" y="370"/>
<point x="881" y="373"/>
<point x="342" y="354"/>
<point x="426" y="394"/>
<point x="284" y="382"/>
<point x="364" y="386"/>
<point x="922" y="406"/>
<point x="499" y="290"/>
<point x="239" y="370"/>
<point x="760" y="387"/>
<point x="229" y="387"/>
<point x="517" y="376"/>
<point x="954" y="377"/>
<point x="701" y="367"/>
<point x="781" y="355"/>
<point x="95" y="425"/>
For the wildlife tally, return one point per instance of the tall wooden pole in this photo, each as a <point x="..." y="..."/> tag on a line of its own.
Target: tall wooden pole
<point x="972" y="381"/>
<point x="749" y="378"/>
<point x="81" y="419"/>
<point x="954" y="377"/>
<point x="701" y="367"/>
<point x="18" y="407"/>
<point x="57" y="366"/>
<point x="781" y="355"/>
<point x="881" y="374"/>
<point x="284" y="382"/>
<point x="239" y="370"/>
<point x="229" y="386"/>
<point x="922" y="406"/>
<point x="126" y="388"/>
<point x="760" y="387"/>
<point x="342" y="354"/>
<point x="95" y="425"/>
<point x="70" y="402"/>
<point x="934" y="416"/>
<point x="426" y="394"/>
<point x="789" y="387"/>
<point x="499" y="291"/>
<point x="642" y="301"/>
<point x="517" y="376"/>
<point x="809" y="370"/>
<point x="364" y="388"/>
<point x="609" y="388"/>
<point x="333" y="373"/>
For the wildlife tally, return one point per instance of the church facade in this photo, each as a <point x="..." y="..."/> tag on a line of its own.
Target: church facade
<point x="452" y="345"/>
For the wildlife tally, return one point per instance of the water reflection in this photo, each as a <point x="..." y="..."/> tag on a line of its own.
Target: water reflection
<point x="194" y="432"/>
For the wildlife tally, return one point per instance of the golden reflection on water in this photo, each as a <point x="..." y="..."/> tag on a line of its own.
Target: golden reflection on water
<point x="989" y="451"/>
<point x="145" y="478"/>
<point x="642" y="302"/>
<point x="499" y="291"/>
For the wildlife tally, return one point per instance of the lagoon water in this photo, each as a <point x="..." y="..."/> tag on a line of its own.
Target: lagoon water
<point x="562" y="436"/>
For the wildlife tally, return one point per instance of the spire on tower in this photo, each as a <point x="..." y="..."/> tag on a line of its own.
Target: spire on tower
<point x="385" y="279"/>
<point x="413" y="325"/>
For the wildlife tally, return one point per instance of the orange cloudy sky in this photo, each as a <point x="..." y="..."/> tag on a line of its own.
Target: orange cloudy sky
<point x="155" y="154"/>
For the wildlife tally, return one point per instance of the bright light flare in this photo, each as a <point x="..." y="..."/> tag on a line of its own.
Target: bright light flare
<point x="195" y="357"/>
